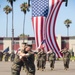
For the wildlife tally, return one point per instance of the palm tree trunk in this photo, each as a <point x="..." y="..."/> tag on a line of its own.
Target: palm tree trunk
<point x="7" y="25"/>
<point x="68" y="31"/>
<point x="12" y="30"/>
<point x="24" y="28"/>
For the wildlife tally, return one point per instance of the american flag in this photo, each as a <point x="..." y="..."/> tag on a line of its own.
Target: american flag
<point x="43" y="46"/>
<point x="44" y="15"/>
<point x="6" y="50"/>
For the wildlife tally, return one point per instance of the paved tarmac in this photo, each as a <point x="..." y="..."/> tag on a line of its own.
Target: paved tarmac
<point x="5" y="69"/>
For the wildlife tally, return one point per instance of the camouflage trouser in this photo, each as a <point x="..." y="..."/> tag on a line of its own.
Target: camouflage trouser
<point x="66" y="63"/>
<point x="13" y="72"/>
<point x="42" y="64"/>
<point x="12" y="58"/>
<point x="6" y="58"/>
<point x="30" y="73"/>
<point x="0" y="58"/>
<point x="15" y="69"/>
<point x="52" y="62"/>
<point x="38" y="64"/>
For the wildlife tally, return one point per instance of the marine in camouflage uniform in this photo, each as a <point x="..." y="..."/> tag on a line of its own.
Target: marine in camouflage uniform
<point x="42" y="59"/>
<point x="16" y="66"/>
<point x="66" y="58"/>
<point x="6" y="56"/>
<point x="51" y="58"/>
<point x="18" y="62"/>
<point x="38" y="59"/>
<point x="29" y="61"/>
<point x="12" y="56"/>
<point x="1" y="56"/>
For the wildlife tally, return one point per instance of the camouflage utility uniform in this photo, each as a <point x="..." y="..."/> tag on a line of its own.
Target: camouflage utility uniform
<point x="66" y="58"/>
<point x="42" y="60"/>
<point x="29" y="63"/>
<point x="52" y="58"/>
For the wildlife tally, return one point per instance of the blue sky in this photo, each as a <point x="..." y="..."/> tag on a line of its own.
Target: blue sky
<point x="64" y="13"/>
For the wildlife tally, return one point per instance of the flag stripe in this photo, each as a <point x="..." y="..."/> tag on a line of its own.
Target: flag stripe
<point x="51" y="7"/>
<point x="44" y="33"/>
<point x="39" y="30"/>
<point x="54" y="27"/>
<point x="51" y="31"/>
<point x="42" y="29"/>
<point x="49" y="27"/>
<point x="33" y="23"/>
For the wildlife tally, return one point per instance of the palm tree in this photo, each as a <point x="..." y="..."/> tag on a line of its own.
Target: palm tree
<point x="24" y="7"/>
<point x="7" y="10"/>
<point x="11" y="3"/>
<point x="67" y="23"/>
<point x="23" y="35"/>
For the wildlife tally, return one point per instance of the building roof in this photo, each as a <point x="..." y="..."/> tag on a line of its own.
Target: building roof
<point x="16" y="38"/>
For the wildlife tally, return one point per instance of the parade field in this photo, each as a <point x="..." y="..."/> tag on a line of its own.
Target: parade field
<point x="5" y="69"/>
<point x="33" y="40"/>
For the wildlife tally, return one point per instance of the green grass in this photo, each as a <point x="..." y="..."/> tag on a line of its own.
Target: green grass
<point x="72" y="58"/>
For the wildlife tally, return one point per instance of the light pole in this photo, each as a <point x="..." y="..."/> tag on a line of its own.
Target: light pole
<point x="12" y="30"/>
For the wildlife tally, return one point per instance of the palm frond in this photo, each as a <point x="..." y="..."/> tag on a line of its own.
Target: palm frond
<point x="67" y="21"/>
<point x="11" y="1"/>
<point x="7" y="9"/>
<point x="24" y="7"/>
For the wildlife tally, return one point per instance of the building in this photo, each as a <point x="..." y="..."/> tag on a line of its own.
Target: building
<point x="6" y="42"/>
<point x="68" y="42"/>
<point x="62" y="41"/>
